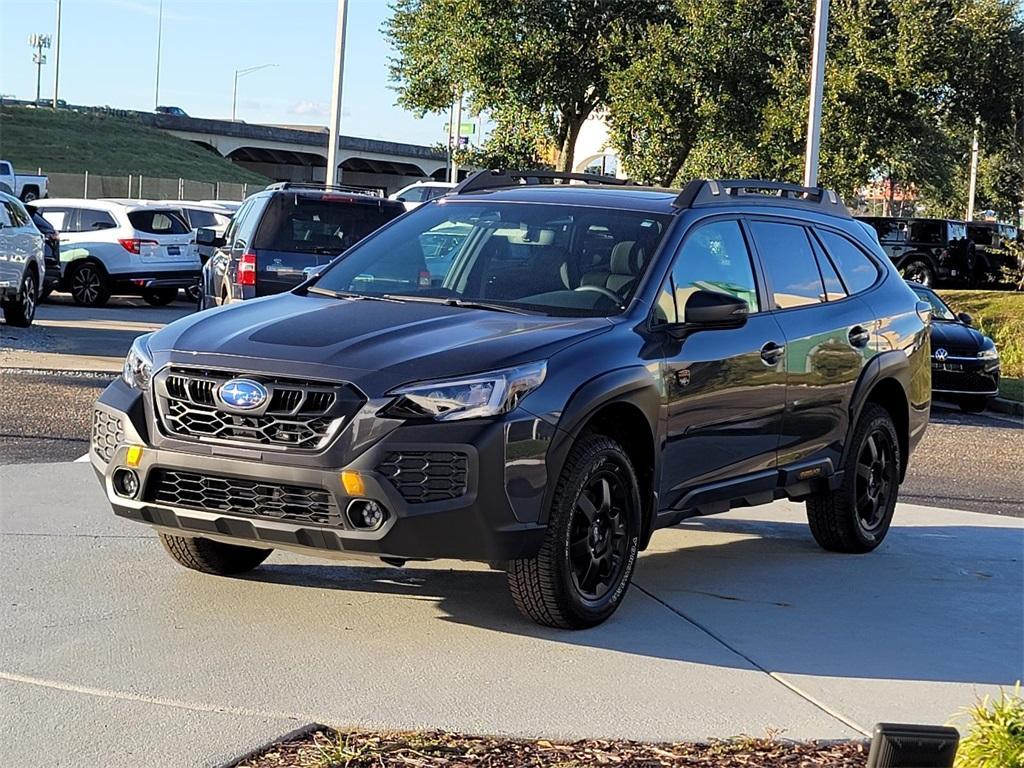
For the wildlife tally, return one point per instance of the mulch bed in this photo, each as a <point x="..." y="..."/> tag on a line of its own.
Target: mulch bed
<point x="365" y="749"/>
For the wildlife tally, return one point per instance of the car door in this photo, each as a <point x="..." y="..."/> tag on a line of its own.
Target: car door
<point x="828" y="337"/>
<point x="724" y="390"/>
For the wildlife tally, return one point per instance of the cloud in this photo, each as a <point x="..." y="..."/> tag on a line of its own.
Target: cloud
<point x="307" y="108"/>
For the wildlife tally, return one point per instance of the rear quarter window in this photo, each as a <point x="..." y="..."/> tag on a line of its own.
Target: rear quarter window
<point x="158" y="222"/>
<point x="857" y="270"/>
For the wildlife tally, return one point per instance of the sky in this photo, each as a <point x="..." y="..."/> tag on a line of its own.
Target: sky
<point x="108" y="58"/>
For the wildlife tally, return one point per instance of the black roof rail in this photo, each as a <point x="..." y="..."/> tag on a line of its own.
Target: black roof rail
<point x="317" y="185"/>
<point x="712" y="191"/>
<point x="499" y="177"/>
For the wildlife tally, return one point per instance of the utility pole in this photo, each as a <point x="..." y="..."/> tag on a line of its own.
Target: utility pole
<point x="56" y="59"/>
<point x="334" y="129"/>
<point x="242" y="73"/>
<point x="455" y="135"/>
<point x="159" y="43"/>
<point x="40" y="43"/>
<point x="973" y="183"/>
<point x="817" y="88"/>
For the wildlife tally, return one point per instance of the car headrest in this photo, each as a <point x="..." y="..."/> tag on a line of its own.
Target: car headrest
<point x="625" y="258"/>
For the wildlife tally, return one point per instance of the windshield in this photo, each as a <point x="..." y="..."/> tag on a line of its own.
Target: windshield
<point x="939" y="309"/>
<point x="559" y="260"/>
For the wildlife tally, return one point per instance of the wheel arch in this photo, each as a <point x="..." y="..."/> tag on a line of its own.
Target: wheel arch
<point x="924" y="256"/>
<point x="885" y="382"/>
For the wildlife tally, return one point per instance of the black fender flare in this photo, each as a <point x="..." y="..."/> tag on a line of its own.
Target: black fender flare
<point x="633" y="386"/>
<point x="893" y="364"/>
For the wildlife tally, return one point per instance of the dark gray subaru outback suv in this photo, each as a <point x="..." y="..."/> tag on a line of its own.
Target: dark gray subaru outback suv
<point x="595" y="361"/>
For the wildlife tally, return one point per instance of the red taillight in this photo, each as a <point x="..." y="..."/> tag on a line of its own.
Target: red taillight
<point x="247" y="269"/>
<point x="134" y="245"/>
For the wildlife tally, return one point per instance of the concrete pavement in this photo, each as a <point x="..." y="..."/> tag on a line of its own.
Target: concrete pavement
<point x="735" y="624"/>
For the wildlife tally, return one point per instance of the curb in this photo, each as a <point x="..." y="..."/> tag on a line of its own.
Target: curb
<point x="1002" y="405"/>
<point x="297" y="733"/>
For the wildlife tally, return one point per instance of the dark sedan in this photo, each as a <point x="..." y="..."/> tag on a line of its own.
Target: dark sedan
<point x="965" y="362"/>
<point x="51" y="251"/>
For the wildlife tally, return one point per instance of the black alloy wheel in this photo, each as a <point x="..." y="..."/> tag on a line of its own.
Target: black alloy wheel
<point x="598" y="533"/>
<point x="88" y="286"/>
<point x="877" y="479"/>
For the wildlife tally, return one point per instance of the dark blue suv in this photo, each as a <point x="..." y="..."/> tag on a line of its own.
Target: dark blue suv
<point x="594" y="361"/>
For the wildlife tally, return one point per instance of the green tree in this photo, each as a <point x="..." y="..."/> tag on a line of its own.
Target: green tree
<point x="547" y="58"/>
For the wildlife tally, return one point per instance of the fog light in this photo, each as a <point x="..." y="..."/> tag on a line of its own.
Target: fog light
<point x="133" y="457"/>
<point x="126" y="483"/>
<point x="366" y="515"/>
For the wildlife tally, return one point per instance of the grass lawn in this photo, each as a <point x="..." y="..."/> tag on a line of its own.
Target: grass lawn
<point x="332" y="749"/>
<point x="107" y="145"/>
<point x="999" y="314"/>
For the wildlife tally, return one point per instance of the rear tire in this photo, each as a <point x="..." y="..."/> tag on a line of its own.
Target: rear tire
<point x="584" y="566"/>
<point x="856" y="516"/>
<point x="89" y="285"/>
<point x="21" y="310"/>
<point x="159" y="297"/>
<point x="918" y="271"/>
<point x="973" y="403"/>
<point x="213" y="557"/>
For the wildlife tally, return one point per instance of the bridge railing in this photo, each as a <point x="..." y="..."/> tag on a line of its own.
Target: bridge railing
<point x="138" y="187"/>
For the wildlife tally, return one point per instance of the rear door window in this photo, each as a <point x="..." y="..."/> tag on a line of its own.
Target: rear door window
<point x="414" y="195"/>
<point x="60" y="219"/>
<point x="834" y="289"/>
<point x="926" y="232"/>
<point x="91" y="220"/>
<point x="157" y="222"/>
<point x="789" y="264"/>
<point x="858" y="271"/>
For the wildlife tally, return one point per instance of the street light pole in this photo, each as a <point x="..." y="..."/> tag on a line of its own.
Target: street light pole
<point x="242" y="73"/>
<point x="817" y="89"/>
<point x="973" y="183"/>
<point x="159" y="42"/>
<point x="56" y="59"/>
<point x="334" y="130"/>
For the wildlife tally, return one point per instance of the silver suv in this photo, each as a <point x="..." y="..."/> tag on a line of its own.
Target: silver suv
<point x="21" y="262"/>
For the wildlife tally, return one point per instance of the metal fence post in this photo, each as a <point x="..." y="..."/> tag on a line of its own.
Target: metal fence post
<point x="245" y="190"/>
<point x="181" y="188"/>
<point x="140" y="186"/>
<point x="216" y="191"/>
<point x="129" y="186"/>
<point x="85" y="192"/>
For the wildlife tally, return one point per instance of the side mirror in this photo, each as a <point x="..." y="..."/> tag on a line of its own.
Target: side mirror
<point x="207" y="236"/>
<point x="711" y="309"/>
<point x="965" y="318"/>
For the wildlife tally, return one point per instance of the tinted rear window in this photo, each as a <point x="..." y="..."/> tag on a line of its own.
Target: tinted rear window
<point x="158" y="222"/>
<point x="298" y="224"/>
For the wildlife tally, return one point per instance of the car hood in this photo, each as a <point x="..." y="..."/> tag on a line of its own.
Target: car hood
<point x="376" y="345"/>
<point x="956" y="338"/>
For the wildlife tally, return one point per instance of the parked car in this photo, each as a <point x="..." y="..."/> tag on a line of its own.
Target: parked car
<point x="281" y="235"/>
<point x="229" y="205"/>
<point x="927" y="251"/>
<point x="25" y="186"/>
<point x="965" y="362"/>
<point x="535" y="408"/>
<point x="996" y="264"/>
<point x="21" y="262"/>
<point x="112" y="247"/>
<point x="421" y="192"/>
<point x="173" y="111"/>
<point x="51" y="252"/>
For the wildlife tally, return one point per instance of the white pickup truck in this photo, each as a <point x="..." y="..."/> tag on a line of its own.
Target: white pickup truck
<point x="28" y="187"/>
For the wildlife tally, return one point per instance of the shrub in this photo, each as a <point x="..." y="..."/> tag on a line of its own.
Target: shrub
<point x="996" y="736"/>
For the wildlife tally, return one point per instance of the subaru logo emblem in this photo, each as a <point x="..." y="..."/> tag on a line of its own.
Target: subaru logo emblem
<point x="941" y="354"/>
<point x="243" y="394"/>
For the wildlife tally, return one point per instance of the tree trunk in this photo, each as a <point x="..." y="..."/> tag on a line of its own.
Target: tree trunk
<point x="567" y="152"/>
<point x="669" y="177"/>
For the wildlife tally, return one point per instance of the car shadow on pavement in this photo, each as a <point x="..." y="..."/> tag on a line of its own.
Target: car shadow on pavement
<point x="934" y="604"/>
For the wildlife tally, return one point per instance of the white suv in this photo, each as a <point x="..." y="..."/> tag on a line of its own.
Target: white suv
<point x="109" y="247"/>
<point x="414" y="195"/>
<point x="21" y="262"/>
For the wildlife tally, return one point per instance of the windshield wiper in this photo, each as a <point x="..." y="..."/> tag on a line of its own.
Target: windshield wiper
<point x="345" y="295"/>
<point x="463" y="303"/>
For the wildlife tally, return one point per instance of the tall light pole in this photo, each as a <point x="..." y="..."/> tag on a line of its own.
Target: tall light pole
<point x="242" y="73"/>
<point x="40" y="43"/>
<point x="56" y="58"/>
<point x="817" y="89"/>
<point x="334" y="129"/>
<point x="972" y="184"/>
<point x="159" y="43"/>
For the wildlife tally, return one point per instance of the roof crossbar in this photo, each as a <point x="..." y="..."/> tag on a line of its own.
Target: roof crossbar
<point x="498" y="178"/>
<point x="318" y="185"/>
<point x="712" y="191"/>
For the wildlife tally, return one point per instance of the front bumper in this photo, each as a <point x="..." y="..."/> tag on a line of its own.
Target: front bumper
<point x="497" y="517"/>
<point x="185" y="278"/>
<point x="965" y="376"/>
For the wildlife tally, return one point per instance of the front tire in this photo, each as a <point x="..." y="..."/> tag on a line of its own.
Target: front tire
<point x="856" y="516"/>
<point x="89" y="285"/>
<point x="21" y="310"/>
<point x="585" y="564"/>
<point x="213" y="557"/>
<point x="159" y="297"/>
<point x="918" y="271"/>
<point x="973" y="403"/>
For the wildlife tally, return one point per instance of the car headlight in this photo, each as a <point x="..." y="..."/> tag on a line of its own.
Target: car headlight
<point x="138" y="365"/>
<point x="989" y="353"/>
<point x="472" y="397"/>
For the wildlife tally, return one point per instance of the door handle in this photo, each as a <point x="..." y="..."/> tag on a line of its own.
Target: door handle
<point x="859" y="336"/>
<point x="771" y="352"/>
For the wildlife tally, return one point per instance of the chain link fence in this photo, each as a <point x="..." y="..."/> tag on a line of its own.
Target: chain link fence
<point x="139" y="187"/>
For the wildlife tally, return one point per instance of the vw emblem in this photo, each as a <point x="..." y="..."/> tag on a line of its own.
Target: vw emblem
<point x="941" y="355"/>
<point x="243" y="394"/>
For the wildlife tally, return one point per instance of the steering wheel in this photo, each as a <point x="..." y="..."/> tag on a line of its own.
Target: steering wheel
<point x="603" y="291"/>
